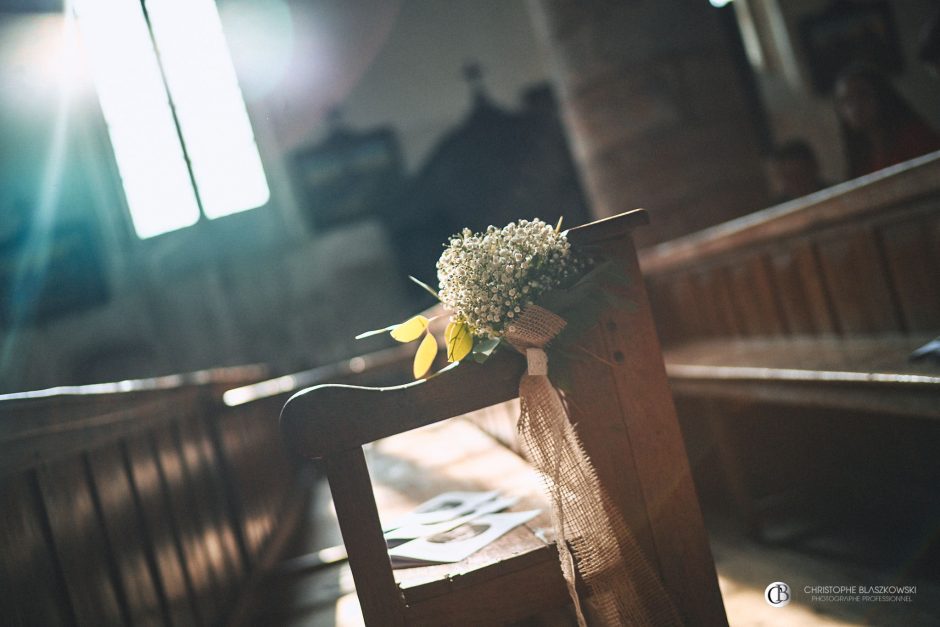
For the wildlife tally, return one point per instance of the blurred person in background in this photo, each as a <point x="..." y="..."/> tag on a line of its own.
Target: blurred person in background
<point x="879" y="128"/>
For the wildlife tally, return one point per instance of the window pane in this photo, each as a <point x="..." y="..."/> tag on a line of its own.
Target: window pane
<point x="134" y="102"/>
<point x="209" y="105"/>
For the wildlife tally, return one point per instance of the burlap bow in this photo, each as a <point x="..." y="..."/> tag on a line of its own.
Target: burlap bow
<point x="594" y="543"/>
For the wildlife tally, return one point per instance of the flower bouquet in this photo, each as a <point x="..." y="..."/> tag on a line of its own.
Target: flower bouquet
<point x="489" y="280"/>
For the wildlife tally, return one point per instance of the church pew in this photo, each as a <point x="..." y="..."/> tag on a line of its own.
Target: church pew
<point x="812" y="306"/>
<point x="622" y="406"/>
<point x="141" y="502"/>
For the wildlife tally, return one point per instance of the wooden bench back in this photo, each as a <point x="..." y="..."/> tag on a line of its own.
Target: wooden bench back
<point x="621" y="403"/>
<point x="859" y="258"/>
<point x="139" y="502"/>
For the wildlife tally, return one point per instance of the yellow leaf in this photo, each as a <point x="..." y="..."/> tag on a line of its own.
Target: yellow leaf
<point x="411" y="329"/>
<point x="424" y="358"/>
<point x="459" y="341"/>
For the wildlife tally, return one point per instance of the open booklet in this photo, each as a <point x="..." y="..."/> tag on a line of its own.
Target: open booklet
<point x="451" y="527"/>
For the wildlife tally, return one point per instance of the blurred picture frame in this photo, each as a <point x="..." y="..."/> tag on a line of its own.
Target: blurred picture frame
<point x="349" y="176"/>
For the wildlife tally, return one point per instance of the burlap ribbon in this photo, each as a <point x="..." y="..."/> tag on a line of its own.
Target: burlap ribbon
<point x="594" y="543"/>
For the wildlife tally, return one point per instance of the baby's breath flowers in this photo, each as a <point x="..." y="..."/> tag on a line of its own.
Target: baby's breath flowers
<point x="487" y="279"/>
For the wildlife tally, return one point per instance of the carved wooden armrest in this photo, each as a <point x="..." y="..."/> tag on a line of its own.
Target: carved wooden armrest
<point x="326" y="419"/>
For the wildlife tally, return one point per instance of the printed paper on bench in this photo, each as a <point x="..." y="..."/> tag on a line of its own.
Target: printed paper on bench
<point x="458" y="543"/>
<point x="410" y="532"/>
<point x="446" y="506"/>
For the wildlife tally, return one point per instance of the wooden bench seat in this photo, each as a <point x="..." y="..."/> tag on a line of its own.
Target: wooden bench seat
<point x="870" y="373"/>
<point x="412" y="467"/>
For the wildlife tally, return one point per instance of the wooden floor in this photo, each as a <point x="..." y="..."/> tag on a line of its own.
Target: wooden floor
<point x="327" y="598"/>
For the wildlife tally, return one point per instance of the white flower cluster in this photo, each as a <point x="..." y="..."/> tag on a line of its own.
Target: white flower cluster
<point x="487" y="279"/>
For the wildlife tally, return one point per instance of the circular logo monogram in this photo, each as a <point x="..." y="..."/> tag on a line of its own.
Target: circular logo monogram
<point x="777" y="594"/>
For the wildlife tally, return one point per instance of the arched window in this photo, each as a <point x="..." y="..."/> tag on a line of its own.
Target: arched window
<point x="176" y="118"/>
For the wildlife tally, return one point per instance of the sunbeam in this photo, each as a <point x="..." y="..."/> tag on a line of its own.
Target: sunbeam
<point x="30" y="269"/>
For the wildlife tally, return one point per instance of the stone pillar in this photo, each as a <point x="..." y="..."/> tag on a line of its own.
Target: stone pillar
<point x="656" y="110"/>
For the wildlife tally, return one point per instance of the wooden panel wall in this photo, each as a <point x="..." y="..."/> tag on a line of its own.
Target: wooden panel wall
<point x="33" y="590"/>
<point x="113" y="512"/>
<point x="872" y="275"/>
